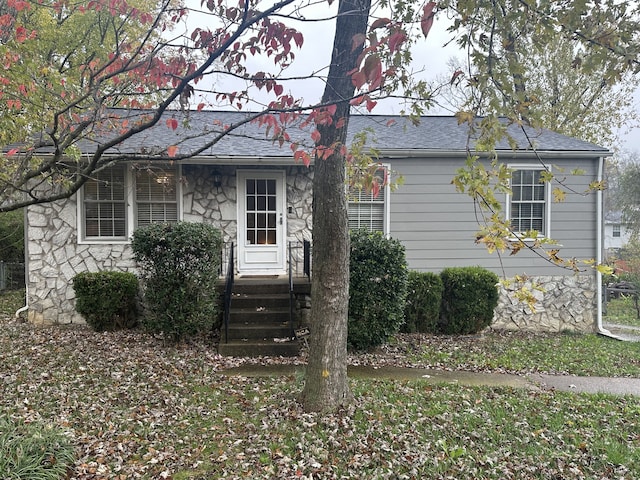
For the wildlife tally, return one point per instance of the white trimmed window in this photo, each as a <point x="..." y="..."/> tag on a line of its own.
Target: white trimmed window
<point x="528" y="204"/>
<point x="105" y="204"/>
<point x="616" y="231"/>
<point x="367" y="210"/>
<point x="117" y="200"/>
<point x="156" y="198"/>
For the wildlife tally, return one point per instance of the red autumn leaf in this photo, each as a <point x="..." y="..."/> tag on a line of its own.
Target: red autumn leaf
<point x="375" y="189"/>
<point x="172" y="123"/>
<point x="172" y="150"/>
<point x="373" y="70"/>
<point x="21" y="34"/>
<point x="315" y="136"/>
<point x="455" y="76"/>
<point x="381" y="22"/>
<point x="358" y="100"/>
<point x="358" y="79"/>
<point x="13" y="151"/>
<point x="371" y="104"/>
<point x="200" y="106"/>
<point x="278" y="89"/>
<point x="357" y="41"/>
<point x="395" y="40"/>
<point x="427" y="18"/>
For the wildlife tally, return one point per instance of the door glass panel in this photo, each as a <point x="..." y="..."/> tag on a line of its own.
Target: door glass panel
<point x="261" y="202"/>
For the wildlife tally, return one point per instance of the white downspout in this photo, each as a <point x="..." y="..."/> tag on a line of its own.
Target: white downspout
<point x="599" y="249"/>
<point x="26" y="266"/>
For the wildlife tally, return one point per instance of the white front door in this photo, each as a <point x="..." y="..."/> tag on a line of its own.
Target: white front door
<point x="261" y="222"/>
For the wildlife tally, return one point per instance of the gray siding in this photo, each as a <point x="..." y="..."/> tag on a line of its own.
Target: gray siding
<point x="438" y="225"/>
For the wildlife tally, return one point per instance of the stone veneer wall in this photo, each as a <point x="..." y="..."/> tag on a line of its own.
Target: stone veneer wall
<point x="567" y="303"/>
<point x="55" y="256"/>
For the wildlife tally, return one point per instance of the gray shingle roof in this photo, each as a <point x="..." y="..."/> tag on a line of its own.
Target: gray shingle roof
<point x="433" y="133"/>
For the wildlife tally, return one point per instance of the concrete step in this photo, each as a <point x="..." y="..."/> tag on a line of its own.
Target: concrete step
<point x="254" y="348"/>
<point x="260" y="286"/>
<point x="258" y="331"/>
<point x="260" y="301"/>
<point x="258" y="315"/>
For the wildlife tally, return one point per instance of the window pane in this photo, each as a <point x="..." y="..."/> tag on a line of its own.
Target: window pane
<point x="366" y="210"/>
<point x="528" y="201"/>
<point x="104" y="206"/>
<point x="156" y="195"/>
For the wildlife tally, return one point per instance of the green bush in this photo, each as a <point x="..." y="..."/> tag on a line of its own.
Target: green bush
<point x="12" y="236"/>
<point x="422" y="308"/>
<point x="179" y="266"/>
<point x="33" y="451"/>
<point x="470" y="296"/>
<point x="107" y="300"/>
<point x="377" y="289"/>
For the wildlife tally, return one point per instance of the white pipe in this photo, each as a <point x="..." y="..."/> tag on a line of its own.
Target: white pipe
<point x="599" y="248"/>
<point x="26" y="266"/>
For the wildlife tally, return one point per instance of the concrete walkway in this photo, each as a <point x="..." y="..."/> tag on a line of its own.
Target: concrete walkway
<point x="567" y="383"/>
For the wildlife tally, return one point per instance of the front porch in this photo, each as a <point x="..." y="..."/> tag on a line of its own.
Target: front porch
<point x="262" y="312"/>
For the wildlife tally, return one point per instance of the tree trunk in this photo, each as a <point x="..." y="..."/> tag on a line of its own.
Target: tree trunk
<point x="326" y="383"/>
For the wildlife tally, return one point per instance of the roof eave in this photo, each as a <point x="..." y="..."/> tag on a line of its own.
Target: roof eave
<point x="418" y="153"/>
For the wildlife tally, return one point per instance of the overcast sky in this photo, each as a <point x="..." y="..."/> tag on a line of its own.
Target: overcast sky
<point x="430" y="60"/>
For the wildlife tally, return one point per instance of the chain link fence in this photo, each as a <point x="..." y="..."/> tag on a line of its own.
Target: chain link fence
<point x="11" y="276"/>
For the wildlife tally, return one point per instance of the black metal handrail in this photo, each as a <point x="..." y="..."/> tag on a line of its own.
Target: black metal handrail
<point x="228" y="289"/>
<point x="292" y="297"/>
<point x="306" y="248"/>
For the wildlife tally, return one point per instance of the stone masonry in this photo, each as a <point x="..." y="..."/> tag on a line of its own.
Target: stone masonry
<point x="565" y="303"/>
<point x="55" y="255"/>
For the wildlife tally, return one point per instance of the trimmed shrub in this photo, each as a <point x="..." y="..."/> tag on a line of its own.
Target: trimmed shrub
<point x="469" y="299"/>
<point x="422" y="308"/>
<point x="34" y="451"/>
<point x="179" y="266"/>
<point x="377" y="289"/>
<point x="107" y="300"/>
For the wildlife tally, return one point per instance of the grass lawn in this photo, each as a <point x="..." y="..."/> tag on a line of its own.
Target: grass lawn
<point x="622" y="311"/>
<point x="136" y="407"/>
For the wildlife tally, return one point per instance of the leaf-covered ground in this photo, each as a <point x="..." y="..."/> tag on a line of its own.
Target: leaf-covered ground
<point x="136" y="407"/>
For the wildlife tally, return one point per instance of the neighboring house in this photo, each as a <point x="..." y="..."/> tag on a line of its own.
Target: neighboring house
<point x="253" y="191"/>
<point x="616" y="232"/>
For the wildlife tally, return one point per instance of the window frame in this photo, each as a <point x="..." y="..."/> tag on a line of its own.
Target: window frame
<point x="547" y="201"/>
<point x="131" y="206"/>
<point x="386" y="202"/>
<point x="616" y="230"/>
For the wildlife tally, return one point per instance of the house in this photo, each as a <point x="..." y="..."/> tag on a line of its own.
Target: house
<point x="261" y="199"/>
<point x="616" y="232"/>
